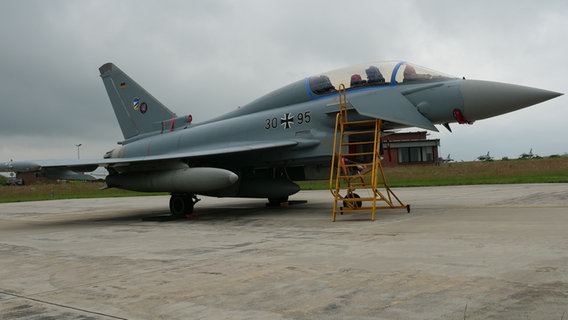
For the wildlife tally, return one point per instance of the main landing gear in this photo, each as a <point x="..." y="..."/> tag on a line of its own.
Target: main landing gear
<point x="181" y="204"/>
<point x="277" y="202"/>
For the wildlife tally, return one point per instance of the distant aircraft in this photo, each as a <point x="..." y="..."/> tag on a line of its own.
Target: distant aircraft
<point x="447" y="159"/>
<point x="529" y="155"/>
<point x="485" y="157"/>
<point x="258" y="150"/>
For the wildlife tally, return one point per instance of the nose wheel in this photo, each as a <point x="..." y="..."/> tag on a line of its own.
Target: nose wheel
<point x="181" y="204"/>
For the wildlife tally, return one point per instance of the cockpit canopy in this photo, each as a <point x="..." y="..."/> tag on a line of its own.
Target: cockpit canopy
<point x="372" y="74"/>
<point x="359" y="77"/>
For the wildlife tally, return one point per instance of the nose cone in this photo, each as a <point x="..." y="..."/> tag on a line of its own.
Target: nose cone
<point x="484" y="99"/>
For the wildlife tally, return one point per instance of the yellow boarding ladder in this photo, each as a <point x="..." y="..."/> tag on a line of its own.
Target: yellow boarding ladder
<point x="356" y="164"/>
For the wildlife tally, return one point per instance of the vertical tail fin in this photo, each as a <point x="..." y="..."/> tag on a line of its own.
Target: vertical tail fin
<point x="136" y="110"/>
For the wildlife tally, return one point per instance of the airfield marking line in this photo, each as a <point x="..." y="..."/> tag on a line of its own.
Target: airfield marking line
<point x="60" y="305"/>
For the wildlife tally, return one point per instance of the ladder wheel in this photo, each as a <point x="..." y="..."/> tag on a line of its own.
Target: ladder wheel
<point x="407" y="208"/>
<point x="352" y="204"/>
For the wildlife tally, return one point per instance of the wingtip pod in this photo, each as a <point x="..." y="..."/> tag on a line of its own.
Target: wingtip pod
<point x="485" y="99"/>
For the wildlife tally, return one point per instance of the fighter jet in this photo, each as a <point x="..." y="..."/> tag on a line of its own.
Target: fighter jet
<point x="447" y="159"/>
<point x="287" y="135"/>
<point x="529" y="155"/>
<point x="485" y="157"/>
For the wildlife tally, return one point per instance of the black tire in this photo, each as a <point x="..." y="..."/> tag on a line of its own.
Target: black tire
<point x="352" y="204"/>
<point x="181" y="204"/>
<point x="275" y="202"/>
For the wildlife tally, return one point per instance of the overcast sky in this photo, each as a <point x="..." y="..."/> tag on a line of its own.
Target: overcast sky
<point x="205" y="58"/>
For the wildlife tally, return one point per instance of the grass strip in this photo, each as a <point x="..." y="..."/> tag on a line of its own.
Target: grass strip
<point x="543" y="170"/>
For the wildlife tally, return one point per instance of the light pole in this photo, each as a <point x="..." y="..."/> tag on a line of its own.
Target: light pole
<point x="78" y="146"/>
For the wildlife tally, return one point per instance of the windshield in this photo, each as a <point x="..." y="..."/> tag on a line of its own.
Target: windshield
<point x="370" y="75"/>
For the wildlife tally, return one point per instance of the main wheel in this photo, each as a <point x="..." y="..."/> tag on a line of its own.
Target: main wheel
<point x="275" y="202"/>
<point x="181" y="204"/>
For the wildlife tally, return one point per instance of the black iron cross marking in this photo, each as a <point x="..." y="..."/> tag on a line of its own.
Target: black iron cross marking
<point x="287" y="120"/>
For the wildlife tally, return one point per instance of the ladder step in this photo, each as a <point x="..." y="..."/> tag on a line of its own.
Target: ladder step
<point x="360" y="123"/>
<point x="345" y="176"/>
<point x="347" y="155"/>
<point x="361" y="209"/>
<point x="356" y="164"/>
<point x="357" y="186"/>
<point x="358" y="143"/>
<point x="352" y="133"/>
<point x="358" y="199"/>
<point x="368" y="209"/>
<point x="358" y="177"/>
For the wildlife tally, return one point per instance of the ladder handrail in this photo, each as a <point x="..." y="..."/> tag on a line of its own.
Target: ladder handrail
<point x="340" y="118"/>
